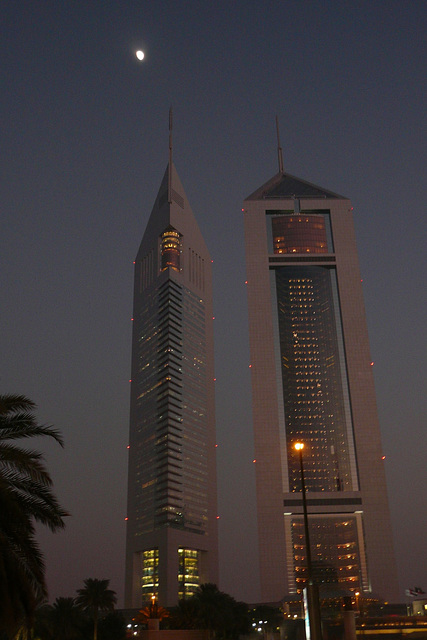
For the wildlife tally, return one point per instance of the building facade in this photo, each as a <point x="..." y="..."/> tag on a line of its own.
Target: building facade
<point x="312" y="382"/>
<point x="171" y="518"/>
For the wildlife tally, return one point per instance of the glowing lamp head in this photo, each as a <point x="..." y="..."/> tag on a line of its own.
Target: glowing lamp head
<point x="140" y="55"/>
<point x="299" y="446"/>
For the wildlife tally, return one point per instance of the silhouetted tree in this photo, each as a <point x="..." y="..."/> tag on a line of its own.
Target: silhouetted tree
<point x="63" y="619"/>
<point x="112" y="627"/>
<point x="26" y="497"/>
<point x="212" y="609"/>
<point x="185" y="615"/>
<point x="94" y="597"/>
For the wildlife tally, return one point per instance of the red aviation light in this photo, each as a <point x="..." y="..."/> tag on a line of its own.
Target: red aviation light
<point x="382" y="457"/>
<point x="372" y="364"/>
<point x="254" y="460"/>
<point x="126" y="519"/>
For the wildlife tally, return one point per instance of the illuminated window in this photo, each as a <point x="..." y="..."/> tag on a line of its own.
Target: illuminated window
<point x="150" y="573"/>
<point x="299" y="234"/>
<point x="314" y="377"/>
<point x="170" y="383"/>
<point x="188" y="572"/>
<point x="170" y="249"/>
<point x="334" y="542"/>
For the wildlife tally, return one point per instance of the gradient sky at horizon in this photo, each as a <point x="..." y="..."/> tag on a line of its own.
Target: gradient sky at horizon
<point x="84" y="133"/>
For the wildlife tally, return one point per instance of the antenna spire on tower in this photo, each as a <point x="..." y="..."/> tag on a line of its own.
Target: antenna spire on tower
<point x="279" y="148"/>
<point x="170" y="156"/>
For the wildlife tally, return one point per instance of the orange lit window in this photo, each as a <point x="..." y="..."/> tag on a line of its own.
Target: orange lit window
<point x="299" y="234"/>
<point x="170" y="249"/>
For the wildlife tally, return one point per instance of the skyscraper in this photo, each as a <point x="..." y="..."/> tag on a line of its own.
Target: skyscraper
<point x="171" y="518"/>
<point x="312" y="382"/>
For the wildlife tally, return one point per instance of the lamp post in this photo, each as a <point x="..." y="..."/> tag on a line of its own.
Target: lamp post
<point x="153" y="621"/>
<point x="313" y="605"/>
<point x="357" y="594"/>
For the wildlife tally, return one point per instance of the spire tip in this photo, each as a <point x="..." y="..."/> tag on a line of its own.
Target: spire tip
<point x="279" y="148"/>
<point x="170" y="156"/>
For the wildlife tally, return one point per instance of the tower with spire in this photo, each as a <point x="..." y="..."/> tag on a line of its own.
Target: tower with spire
<point x="312" y="383"/>
<point x="171" y="545"/>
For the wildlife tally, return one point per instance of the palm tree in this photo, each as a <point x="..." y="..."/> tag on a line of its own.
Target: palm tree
<point x="26" y="497"/>
<point x="218" y="612"/>
<point x="63" y="619"/>
<point x="94" y="597"/>
<point x="185" y="615"/>
<point x="112" y="627"/>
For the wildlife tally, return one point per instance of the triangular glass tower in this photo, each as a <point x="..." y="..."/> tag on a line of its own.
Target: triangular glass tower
<point x="171" y="517"/>
<point x="312" y="383"/>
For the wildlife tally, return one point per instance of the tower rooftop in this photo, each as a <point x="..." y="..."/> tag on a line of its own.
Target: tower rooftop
<point x="284" y="185"/>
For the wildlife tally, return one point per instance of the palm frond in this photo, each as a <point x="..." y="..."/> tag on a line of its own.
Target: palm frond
<point x="26" y="497"/>
<point x="24" y="425"/>
<point x="10" y="403"/>
<point x="24" y="461"/>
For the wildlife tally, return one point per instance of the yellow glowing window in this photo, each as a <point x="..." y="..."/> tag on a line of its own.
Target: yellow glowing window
<point x="170" y="249"/>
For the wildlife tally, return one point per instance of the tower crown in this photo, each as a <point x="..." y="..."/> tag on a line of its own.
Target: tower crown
<point x="284" y="185"/>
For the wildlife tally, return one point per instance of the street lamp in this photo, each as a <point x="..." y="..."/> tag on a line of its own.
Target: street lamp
<point x="312" y="590"/>
<point x="357" y="594"/>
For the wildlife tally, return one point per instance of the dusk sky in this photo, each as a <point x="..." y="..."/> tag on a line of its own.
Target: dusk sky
<point x="84" y="145"/>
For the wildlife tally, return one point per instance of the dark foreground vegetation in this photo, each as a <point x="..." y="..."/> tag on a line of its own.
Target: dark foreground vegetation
<point x="91" y="616"/>
<point x="26" y="498"/>
<point x="66" y="619"/>
<point x="213" y="610"/>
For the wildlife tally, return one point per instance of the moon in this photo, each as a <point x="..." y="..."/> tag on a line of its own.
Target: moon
<point x="140" y="55"/>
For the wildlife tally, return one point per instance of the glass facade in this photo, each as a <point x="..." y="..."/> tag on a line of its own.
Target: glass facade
<point x="299" y="234"/>
<point x="314" y="398"/>
<point x="188" y="572"/>
<point x="335" y="551"/>
<point x="314" y="381"/>
<point x="171" y="411"/>
<point x="194" y="414"/>
<point x="150" y="573"/>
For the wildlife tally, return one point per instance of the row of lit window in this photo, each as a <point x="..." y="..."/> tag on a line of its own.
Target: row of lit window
<point x="323" y="525"/>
